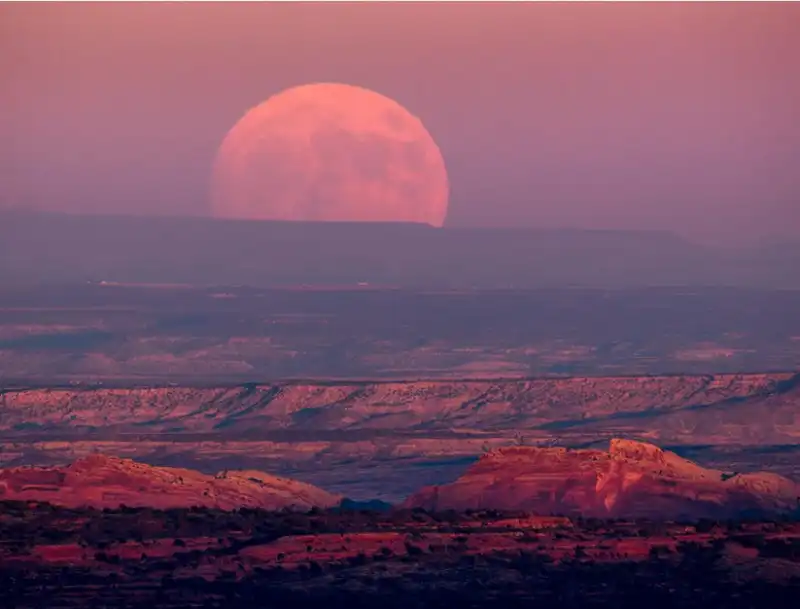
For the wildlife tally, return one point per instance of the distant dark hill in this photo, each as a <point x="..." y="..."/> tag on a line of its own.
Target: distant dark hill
<point x="372" y="505"/>
<point x="57" y="248"/>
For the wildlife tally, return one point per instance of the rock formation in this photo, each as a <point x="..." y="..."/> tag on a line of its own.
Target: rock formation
<point x="102" y="481"/>
<point x="729" y="400"/>
<point x="632" y="479"/>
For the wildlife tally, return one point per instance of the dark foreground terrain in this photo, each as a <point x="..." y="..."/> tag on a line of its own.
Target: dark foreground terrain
<point x="59" y="558"/>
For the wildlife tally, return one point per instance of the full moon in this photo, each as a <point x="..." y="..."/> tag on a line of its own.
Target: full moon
<point x="330" y="152"/>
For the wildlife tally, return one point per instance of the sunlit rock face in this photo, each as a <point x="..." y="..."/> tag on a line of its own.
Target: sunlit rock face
<point x="630" y="480"/>
<point x="107" y="482"/>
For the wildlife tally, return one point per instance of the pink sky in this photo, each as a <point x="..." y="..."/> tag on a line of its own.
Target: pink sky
<point x="677" y="116"/>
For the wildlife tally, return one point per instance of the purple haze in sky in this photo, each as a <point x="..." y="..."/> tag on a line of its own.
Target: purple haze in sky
<point x="669" y="116"/>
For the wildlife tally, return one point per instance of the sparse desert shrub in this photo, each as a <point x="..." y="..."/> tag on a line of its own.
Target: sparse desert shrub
<point x="658" y="551"/>
<point x="788" y="549"/>
<point x="358" y="560"/>
<point x="413" y="550"/>
<point x="705" y="525"/>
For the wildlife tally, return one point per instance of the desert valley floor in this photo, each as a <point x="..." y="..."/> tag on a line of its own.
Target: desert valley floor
<point x="399" y="459"/>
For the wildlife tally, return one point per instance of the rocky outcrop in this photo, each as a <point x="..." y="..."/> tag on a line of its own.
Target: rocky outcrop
<point x="102" y="481"/>
<point x="632" y="479"/>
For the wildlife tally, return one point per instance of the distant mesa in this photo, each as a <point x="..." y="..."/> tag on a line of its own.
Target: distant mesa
<point x="53" y="248"/>
<point x="631" y="480"/>
<point x="103" y="481"/>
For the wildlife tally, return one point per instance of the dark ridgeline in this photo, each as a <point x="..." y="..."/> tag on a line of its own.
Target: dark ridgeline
<point x="55" y="248"/>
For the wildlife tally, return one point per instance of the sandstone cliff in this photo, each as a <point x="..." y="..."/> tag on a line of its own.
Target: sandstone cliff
<point x="631" y="479"/>
<point x="102" y="481"/>
<point x="372" y="440"/>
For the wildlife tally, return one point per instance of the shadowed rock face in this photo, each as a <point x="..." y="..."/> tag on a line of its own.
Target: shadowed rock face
<point x="631" y="480"/>
<point x="101" y="481"/>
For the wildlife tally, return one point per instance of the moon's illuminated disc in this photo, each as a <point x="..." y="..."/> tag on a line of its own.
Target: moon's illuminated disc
<point x="330" y="152"/>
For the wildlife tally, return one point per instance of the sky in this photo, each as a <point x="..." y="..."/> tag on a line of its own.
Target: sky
<point x="676" y="116"/>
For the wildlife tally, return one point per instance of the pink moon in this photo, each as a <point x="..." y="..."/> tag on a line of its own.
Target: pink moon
<point x="330" y="152"/>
